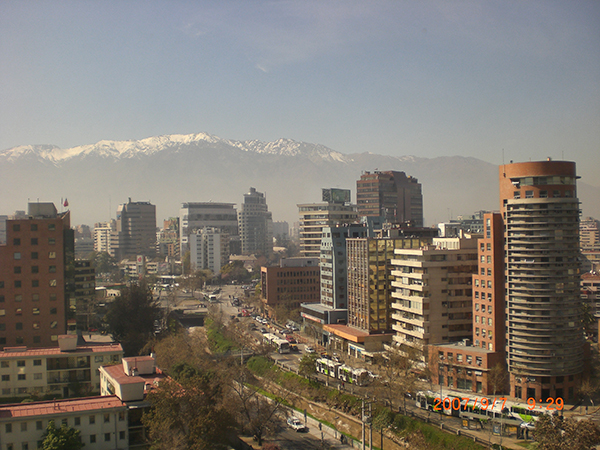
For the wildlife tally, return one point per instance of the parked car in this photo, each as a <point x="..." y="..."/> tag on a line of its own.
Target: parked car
<point x="309" y="349"/>
<point x="296" y="424"/>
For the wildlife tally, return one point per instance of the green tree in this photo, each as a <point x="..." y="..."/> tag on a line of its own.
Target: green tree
<point x="63" y="438"/>
<point x="130" y="318"/>
<point x="103" y="262"/>
<point x="308" y="364"/>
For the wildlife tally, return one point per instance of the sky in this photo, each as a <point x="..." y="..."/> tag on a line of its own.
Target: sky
<point x="497" y="80"/>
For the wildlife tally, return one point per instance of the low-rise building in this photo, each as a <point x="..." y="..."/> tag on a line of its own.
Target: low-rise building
<point x="102" y="422"/>
<point x="62" y="371"/>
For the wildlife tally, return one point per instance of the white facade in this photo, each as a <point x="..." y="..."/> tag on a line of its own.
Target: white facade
<point x="194" y="216"/>
<point x="52" y="370"/>
<point x="102" y="422"/>
<point x="209" y="249"/>
<point x="101" y="236"/>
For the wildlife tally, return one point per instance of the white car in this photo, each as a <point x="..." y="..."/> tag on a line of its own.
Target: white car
<point x="309" y="350"/>
<point x="296" y="424"/>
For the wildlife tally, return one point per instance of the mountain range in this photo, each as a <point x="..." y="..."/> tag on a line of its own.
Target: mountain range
<point x="169" y="170"/>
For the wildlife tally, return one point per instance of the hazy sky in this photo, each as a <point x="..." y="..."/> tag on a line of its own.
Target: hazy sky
<point x="425" y="78"/>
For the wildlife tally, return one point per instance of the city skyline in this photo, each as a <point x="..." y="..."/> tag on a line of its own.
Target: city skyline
<point x="499" y="81"/>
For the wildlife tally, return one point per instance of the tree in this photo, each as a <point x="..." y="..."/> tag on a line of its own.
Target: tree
<point x="63" y="438"/>
<point x="308" y="365"/>
<point x="498" y="378"/>
<point x="560" y="433"/>
<point x="131" y="317"/>
<point x="188" y="413"/>
<point x="396" y="377"/>
<point x="103" y="262"/>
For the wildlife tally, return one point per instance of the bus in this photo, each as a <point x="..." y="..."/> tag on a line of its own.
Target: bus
<point x="348" y="374"/>
<point x="213" y="298"/>
<point x="281" y="345"/>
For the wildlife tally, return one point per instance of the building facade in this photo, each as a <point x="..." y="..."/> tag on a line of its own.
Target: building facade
<point x="64" y="370"/>
<point x="334" y="210"/>
<point x="294" y="281"/>
<point x="391" y="195"/>
<point x="255" y="224"/>
<point x="194" y="216"/>
<point x="102" y="235"/>
<point x="432" y="293"/>
<point x="545" y="346"/>
<point x="209" y="249"/>
<point x="136" y="230"/>
<point x="36" y="277"/>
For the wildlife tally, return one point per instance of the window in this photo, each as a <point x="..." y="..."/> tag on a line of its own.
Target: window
<point x="1" y="298"/>
<point x="92" y="438"/>
<point x="23" y="426"/>
<point x="18" y="312"/>
<point x="35" y="269"/>
<point x="476" y="294"/>
<point x="35" y="283"/>
<point x="490" y="321"/>
<point x="528" y="194"/>
<point x="106" y="437"/>
<point x="106" y="418"/>
<point x="17" y="283"/>
<point x="37" y="376"/>
<point x="17" y="269"/>
<point x="52" y="255"/>
<point x="53" y="324"/>
<point x="477" y="331"/>
<point x="121" y="416"/>
<point x="17" y="255"/>
<point x="52" y="282"/>
<point x="16" y="241"/>
<point x="92" y="420"/>
<point x="37" y="339"/>
<point x="34" y="241"/>
<point x="77" y="421"/>
<point x="52" y="269"/>
<point x="35" y="255"/>
<point x="36" y="325"/>
<point x="52" y="297"/>
<point x="53" y="310"/>
<point x="16" y="227"/>
<point x="517" y="194"/>
<point x="8" y="427"/>
<point x="476" y="306"/>
<point x="21" y="363"/>
<point x="19" y="340"/>
<point x="476" y="319"/>
<point x="51" y="226"/>
<point x="39" y="425"/>
<point x="19" y="325"/>
<point x="5" y="377"/>
<point x="5" y="364"/>
<point x="65" y="422"/>
<point x="35" y="297"/>
<point x="99" y="358"/>
<point x="121" y="435"/>
<point x="34" y="227"/>
<point x="36" y="311"/>
<point x="2" y="327"/>
<point x="21" y="377"/>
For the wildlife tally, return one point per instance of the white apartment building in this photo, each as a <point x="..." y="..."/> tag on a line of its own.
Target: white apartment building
<point x="209" y="249"/>
<point x="102" y="422"/>
<point x="194" y="216"/>
<point x="101" y="235"/>
<point x="432" y="292"/>
<point x="55" y="371"/>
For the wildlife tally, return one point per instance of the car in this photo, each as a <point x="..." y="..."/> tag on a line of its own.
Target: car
<point x="263" y="330"/>
<point x="294" y="348"/>
<point x="309" y="349"/>
<point x="296" y="424"/>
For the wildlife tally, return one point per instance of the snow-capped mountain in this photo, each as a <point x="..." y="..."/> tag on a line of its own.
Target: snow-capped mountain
<point x="169" y="170"/>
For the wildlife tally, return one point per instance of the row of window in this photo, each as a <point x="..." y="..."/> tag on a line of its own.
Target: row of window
<point x="543" y="194"/>
<point x="34" y="241"/>
<point x="489" y="295"/>
<point x="33" y="227"/>
<point x="22" y="377"/>
<point x="34" y="269"/>
<point x="35" y="325"/>
<point x="34" y="297"/>
<point x="34" y="311"/>
<point x="19" y="340"/>
<point x="489" y="320"/>
<point x="34" y="255"/>
<point x="35" y="283"/>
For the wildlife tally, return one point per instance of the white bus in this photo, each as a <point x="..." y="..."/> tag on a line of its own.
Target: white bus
<point x="281" y="345"/>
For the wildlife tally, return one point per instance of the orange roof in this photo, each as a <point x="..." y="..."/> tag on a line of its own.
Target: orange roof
<point x="346" y="332"/>
<point x="117" y="373"/>
<point x="56" y="351"/>
<point x="53" y="407"/>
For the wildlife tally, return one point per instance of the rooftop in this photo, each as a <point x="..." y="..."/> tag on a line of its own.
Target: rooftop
<point x="23" y="352"/>
<point x="53" y="407"/>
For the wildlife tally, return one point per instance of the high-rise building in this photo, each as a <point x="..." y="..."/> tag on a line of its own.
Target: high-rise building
<point x="391" y="195"/>
<point x="433" y="293"/>
<point x="102" y="232"/>
<point x="194" y="216"/>
<point x="136" y="230"/>
<point x="333" y="210"/>
<point x="255" y="224"/>
<point x="36" y="276"/>
<point x="209" y="249"/>
<point x="83" y="302"/>
<point x="545" y="345"/>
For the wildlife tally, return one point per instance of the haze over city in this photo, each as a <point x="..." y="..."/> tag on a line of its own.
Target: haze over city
<point x="499" y="81"/>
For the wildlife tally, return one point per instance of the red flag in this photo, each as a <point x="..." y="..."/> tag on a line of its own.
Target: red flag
<point x="66" y="203"/>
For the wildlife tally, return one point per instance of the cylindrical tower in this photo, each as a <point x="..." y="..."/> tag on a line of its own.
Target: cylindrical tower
<point x="545" y="345"/>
